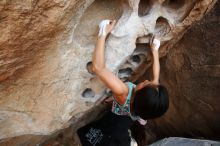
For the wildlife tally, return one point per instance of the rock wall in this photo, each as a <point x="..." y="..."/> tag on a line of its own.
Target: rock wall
<point x="46" y="54"/>
<point x="29" y="26"/>
<point x="191" y="72"/>
<point x="28" y="45"/>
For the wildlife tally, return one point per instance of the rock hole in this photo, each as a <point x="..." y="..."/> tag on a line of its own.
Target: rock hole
<point x="144" y="39"/>
<point x="162" y="27"/>
<point x="89" y="67"/>
<point x="136" y="58"/>
<point x="144" y="7"/>
<point x="98" y="10"/>
<point x="179" y="9"/>
<point x="141" y="48"/>
<point x="125" y="72"/>
<point x="125" y="79"/>
<point x="108" y="92"/>
<point x="174" y="4"/>
<point x="88" y="93"/>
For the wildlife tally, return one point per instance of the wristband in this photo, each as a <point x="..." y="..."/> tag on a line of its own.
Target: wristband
<point x="102" y="27"/>
<point x="156" y="42"/>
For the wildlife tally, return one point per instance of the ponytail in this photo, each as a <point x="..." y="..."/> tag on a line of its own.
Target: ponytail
<point x="138" y="133"/>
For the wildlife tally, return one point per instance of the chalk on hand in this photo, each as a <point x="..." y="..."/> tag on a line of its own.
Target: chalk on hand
<point x="156" y="42"/>
<point x="102" y="27"/>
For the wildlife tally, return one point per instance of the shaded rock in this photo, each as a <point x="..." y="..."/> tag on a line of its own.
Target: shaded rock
<point x="191" y="73"/>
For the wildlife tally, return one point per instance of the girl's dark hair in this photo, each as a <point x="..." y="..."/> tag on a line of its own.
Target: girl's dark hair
<point x="150" y="102"/>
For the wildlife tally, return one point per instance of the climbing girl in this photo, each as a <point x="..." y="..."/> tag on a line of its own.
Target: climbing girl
<point x="147" y="100"/>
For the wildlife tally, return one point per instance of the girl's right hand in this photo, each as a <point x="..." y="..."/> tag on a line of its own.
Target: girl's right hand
<point x="142" y="85"/>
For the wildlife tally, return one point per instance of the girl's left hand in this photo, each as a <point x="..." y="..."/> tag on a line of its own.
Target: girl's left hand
<point x="154" y="44"/>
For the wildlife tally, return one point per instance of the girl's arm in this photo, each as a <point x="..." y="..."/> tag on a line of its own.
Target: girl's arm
<point x="119" y="88"/>
<point x="156" y="66"/>
<point x="156" y="62"/>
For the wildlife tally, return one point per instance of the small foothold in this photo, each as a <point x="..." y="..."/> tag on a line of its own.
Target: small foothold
<point x="162" y="27"/>
<point x="88" y="93"/>
<point x="108" y="92"/>
<point x="89" y="67"/>
<point x="136" y="58"/>
<point x="174" y="4"/>
<point x="144" y="7"/>
<point x="125" y="72"/>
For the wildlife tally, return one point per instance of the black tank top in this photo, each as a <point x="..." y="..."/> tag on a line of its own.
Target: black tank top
<point x="110" y="130"/>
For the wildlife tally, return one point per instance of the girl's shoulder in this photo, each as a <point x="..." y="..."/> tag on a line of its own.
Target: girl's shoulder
<point x="125" y="108"/>
<point x="130" y="84"/>
<point x="128" y="97"/>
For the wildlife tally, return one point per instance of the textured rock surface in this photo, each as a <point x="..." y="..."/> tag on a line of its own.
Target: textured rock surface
<point x="47" y="45"/>
<point x="28" y="26"/>
<point x="191" y="72"/>
<point x="174" y="141"/>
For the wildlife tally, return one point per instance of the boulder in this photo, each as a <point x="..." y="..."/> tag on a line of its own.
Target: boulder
<point x="46" y="51"/>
